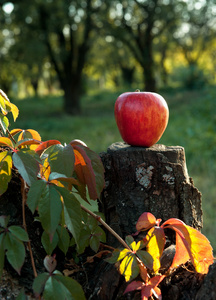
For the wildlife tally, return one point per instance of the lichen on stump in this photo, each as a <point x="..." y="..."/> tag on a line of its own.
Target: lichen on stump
<point x="152" y="180"/>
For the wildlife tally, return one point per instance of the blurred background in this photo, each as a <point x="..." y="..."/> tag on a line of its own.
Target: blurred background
<point x="64" y="63"/>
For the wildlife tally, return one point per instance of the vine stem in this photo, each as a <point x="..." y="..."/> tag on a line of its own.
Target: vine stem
<point x="11" y="137"/>
<point x="23" y="187"/>
<point x="99" y="219"/>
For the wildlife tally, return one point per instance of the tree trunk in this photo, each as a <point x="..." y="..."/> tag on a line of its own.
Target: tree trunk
<point x="72" y="97"/>
<point x="148" y="65"/>
<point x="149" y="80"/>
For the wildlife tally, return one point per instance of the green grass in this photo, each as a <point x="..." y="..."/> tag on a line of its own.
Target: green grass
<point x="192" y="124"/>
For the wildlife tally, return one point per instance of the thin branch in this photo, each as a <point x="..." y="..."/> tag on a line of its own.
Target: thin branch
<point x="99" y="219"/>
<point x="23" y="187"/>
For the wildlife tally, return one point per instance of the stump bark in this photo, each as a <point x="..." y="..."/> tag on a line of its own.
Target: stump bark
<point x="152" y="180"/>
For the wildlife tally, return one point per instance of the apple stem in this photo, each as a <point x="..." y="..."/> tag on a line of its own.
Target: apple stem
<point x="137" y="90"/>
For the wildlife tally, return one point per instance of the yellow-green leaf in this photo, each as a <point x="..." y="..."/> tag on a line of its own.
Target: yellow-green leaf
<point x="4" y="123"/>
<point x="5" y="170"/>
<point x="129" y="267"/>
<point x="14" y="111"/>
<point x="5" y="141"/>
<point x="155" y="246"/>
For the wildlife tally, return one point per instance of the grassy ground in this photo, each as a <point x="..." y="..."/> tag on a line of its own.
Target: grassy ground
<point x="192" y="124"/>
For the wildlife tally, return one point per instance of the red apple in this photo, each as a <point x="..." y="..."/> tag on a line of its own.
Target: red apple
<point x="141" y="117"/>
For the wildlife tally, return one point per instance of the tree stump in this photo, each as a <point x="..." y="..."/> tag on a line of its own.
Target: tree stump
<point x="141" y="180"/>
<point x="152" y="180"/>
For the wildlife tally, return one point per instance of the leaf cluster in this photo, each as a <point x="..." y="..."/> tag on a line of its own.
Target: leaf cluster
<point x="191" y="245"/>
<point x="54" y="177"/>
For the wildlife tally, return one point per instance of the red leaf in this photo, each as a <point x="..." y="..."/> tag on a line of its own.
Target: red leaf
<point x="84" y="171"/>
<point x="143" y="272"/>
<point x="45" y="145"/>
<point x="146" y="221"/>
<point x="154" y="281"/>
<point x="146" y="292"/>
<point x="77" y="142"/>
<point x="134" y="286"/>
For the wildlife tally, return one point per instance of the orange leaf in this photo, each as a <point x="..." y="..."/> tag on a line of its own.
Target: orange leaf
<point x="29" y="133"/>
<point x="44" y="145"/>
<point x="196" y="244"/>
<point x="156" y="241"/>
<point x="15" y="131"/>
<point x="181" y="254"/>
<point x="201" y="250"/>
<point x="27" y="142"/>
<point x="145" y="221"/>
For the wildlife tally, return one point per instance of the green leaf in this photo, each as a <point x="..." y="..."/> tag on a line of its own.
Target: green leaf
<point x="72" y="212"/>
<point x="49" y="209"/>
<point x="84" y="239"/>
<point x="55" y="175"/>
<point x="55" y="290"/>
<point x="73" y="286"/>
<point x="22" y="295"/>
<point x="100" y="233"/>
<point x="35" y="193"/>
<point x="39" y="283"/>
<point x="94" y="243"/>
<point x="64" y="239"/>
<point x="61" y="159"/>
<point x="146" y="258"/>
<point x="48" y="245"/>
<point x="118" y="255"/>
<point x="5" y="170"/>
<point x="129" y="240"/>
<point x="15" y="251"/>
<point x="4" y="221"/>
<point x="129" y="267"/>
<point x="19" y="233"/>
<point x="4" y="122"/>
<point x="27" y="165"/>
<point x="2" y="254"/>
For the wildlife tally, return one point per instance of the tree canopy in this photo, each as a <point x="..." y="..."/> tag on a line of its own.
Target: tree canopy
<point x="114" y="39"/>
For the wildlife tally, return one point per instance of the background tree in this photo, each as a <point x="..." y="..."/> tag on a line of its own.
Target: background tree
<point x="194" y="36"/>
<point x="66" y="29"/>
<point x="137" y="23"/>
